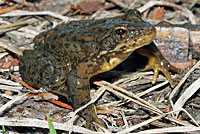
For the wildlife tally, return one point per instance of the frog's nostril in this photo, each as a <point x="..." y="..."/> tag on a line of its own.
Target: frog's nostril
<point x="148" y="27"/>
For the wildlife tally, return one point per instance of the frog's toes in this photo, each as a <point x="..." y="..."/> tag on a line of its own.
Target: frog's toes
<point x="167" y="74"/>
<point x="164" y="68"/>
<point x="155" y="76"/>
<point x="99" y="121"/>
<point x="90" y="115"/>
<point x="168" y="77"/>
<point x="96" y="120"/>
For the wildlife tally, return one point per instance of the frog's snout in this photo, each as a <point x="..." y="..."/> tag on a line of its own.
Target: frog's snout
<point x="147" y="26"/>
<point x="149" y="30"/>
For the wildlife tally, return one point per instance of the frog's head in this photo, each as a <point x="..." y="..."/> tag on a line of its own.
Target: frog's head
<point x="128" y="33"/>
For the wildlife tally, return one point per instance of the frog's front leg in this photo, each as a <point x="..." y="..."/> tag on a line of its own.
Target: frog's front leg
<point x="157" y="62"/>
<point x="78" y="91"/>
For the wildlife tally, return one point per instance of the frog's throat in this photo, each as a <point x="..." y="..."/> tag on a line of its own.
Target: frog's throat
<point x="113" y="61"/>
<point x="108" y="65"/>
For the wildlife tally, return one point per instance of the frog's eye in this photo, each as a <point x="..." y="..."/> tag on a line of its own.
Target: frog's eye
<point x="120" y="32"/>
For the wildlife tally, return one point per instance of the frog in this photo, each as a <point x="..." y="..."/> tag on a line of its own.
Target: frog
<point x="66" y="57"/>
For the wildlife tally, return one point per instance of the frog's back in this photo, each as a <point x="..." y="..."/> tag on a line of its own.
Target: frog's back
<point x="78" y="39"/>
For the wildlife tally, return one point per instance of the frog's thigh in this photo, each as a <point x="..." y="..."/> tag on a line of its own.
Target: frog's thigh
<point x="41" y="69"/>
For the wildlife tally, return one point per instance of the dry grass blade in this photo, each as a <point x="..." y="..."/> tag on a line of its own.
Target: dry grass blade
<point x="145" y="104"/>
<point x="15" y="68"/>
<point x="3" y="54"/>
<point x="170" y="130"/>
<point x="10" y="88"/>
<point x="30" y="122"/>
<point x="9" y="82"/>
<point x="119" y="3"/>
<point x="140" y="102"/>
<point x="182" y="109"/>
<point x="27" y="13"/>
<point x="132" y="95"/>
<point x="124" y="119"/>
<point x="181" y="122"/>
<point x="13" y="25"/>
<point x="193" y="3"/>
<point x="21" y="81"/>
<point x="152" y="88"/>
<point x="9" y="104"/>
<point x="10" y="8"/>
<point x="182" y="81"/>
<point x="186" y="95"/>
<point x="139" y="125"/>
<point x="8" y="46"/>
<point x="163" y="3"/>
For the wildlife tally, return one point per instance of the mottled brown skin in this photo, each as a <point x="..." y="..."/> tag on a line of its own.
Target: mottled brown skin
<point x="66" y="57"/>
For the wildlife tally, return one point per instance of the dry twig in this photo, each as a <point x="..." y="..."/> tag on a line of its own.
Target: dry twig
<point x="140" y="102"/>
<point x="28" y="13"/>
<point x="140" y="125"/>
<point x="182" y="81"/>
<point x="192" y="89"/>
<point x="180" y="129"/>
<point x="150" y="4"/>
<point x="8" y="46"/>
<point x="9" y="104"/>
<point x="30" y="122"/>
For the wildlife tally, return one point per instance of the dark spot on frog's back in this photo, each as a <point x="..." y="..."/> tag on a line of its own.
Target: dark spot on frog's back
<point x="53" y="46"/>
<point x="74" y="38"/>
<point x="61" y="68"/>
<point x="41" y="75"/>
<point x="48" y="65"/>
<point x="63" y="35"/>
<point x="74" y="23"/>
<point x="47" y="45"/>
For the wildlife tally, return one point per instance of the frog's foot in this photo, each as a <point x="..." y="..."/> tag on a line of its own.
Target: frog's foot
<point x="164" y="66"/>
<point x="90" y="115"/>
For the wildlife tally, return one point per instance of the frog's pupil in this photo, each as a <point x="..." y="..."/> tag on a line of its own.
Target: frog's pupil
<point x="120" y="31"/>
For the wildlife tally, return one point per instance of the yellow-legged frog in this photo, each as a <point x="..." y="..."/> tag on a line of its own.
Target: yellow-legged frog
<point x="66" y="57"/>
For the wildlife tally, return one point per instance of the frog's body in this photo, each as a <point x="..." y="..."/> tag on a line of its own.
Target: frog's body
<point x="66" y="57"/>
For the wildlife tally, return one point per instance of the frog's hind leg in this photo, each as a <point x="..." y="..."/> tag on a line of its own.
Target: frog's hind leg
<point x="157" y="62"/>
<point x="78" y="91"/>
<point x="41" y="69"/>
